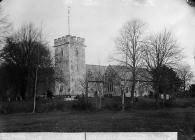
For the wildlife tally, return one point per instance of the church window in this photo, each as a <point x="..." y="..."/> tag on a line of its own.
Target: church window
<point x="61" y="88"/>
<point x="66" y="61"/>
<point x="110" y="87"/>
<point x="127" y="89"/>
<point x="72" y="66"/>
<point x="62" y="52"/>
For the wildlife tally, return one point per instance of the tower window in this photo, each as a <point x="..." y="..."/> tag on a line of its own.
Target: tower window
<point x="77" y="52"/>
<point x="72" y="66"/>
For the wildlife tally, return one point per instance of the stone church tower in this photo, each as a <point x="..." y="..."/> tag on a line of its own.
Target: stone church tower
<point x="70" y="65"/>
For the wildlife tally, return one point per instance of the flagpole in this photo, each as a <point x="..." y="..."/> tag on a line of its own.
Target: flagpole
<point x="68" y="20"/>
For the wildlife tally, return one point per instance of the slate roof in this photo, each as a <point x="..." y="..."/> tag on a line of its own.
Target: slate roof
<point x="97" y="71"/>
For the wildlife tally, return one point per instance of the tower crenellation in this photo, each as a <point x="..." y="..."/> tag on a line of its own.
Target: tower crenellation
<point x="68" y="39"/>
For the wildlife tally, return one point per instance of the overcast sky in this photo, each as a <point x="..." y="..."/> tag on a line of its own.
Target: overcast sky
<point x="99" y="21"/>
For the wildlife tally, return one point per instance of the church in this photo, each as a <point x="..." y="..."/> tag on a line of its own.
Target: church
<point x="71" y="70"/>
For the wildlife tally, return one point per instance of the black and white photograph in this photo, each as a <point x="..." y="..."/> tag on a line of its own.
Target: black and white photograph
<point x="97" y="69"/>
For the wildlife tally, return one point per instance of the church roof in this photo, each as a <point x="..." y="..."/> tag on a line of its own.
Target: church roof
<point x="95" y="71"/>
<point x="98" y="71"/>
<point x="121" y="71"/>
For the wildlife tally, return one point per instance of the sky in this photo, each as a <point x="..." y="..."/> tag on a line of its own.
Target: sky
<point x="99" y="21"/>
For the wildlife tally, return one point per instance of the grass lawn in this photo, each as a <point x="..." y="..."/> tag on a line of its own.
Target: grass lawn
<point x="168" y="120"/>
<point x="177" y="119"/>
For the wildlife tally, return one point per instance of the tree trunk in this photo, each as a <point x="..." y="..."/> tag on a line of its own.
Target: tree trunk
<point x="157" y="86"/>
<point x="132" y="93"/>
<point x="157" y="95"/>
<point x="35" y="91"/>
<point x="164" y="99"/>
<point x="133" y="87"/>
<point x="86" y="91"/>
<point x="96" y="98"/>
<point x="123" y="100"/>
<point x="23" y="89"/>
<point x="26" y="93"/>
<point x="184" y="86"/>
<point x="101" y="93"/>
<point x="100" y="103"/>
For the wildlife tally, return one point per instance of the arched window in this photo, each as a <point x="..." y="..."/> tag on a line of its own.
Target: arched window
<point x="110" y="87"/>
<point x="76" y="52"/>
<point x="61" y="88"/>
<point x="62" y="52"/>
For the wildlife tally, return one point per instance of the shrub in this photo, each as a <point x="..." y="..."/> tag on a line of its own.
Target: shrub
<point x="27" y="106"/>
<point x="4" y="109"/>
<point x="16" y="107"/>
<point x="82" y="104"/>
<point x="51" y="106"/>
<point x="113" y="106"/>
<point x="169" y="103"/>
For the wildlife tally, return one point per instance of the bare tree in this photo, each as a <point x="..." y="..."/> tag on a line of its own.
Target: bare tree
<point x="84" y="87"/>
<point x="160" y="50"/>
<point x="5" y="27"/>
<point x="95" y="79"/>
<point x="84" y="84"/>
<point x="100" y="85"/>
<point x="118" y="76"/>
<point x="129" y="47"/>
<point x="185" y="75"/>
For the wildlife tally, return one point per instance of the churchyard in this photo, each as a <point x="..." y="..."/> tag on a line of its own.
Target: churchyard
<point x="59" y="116"/>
